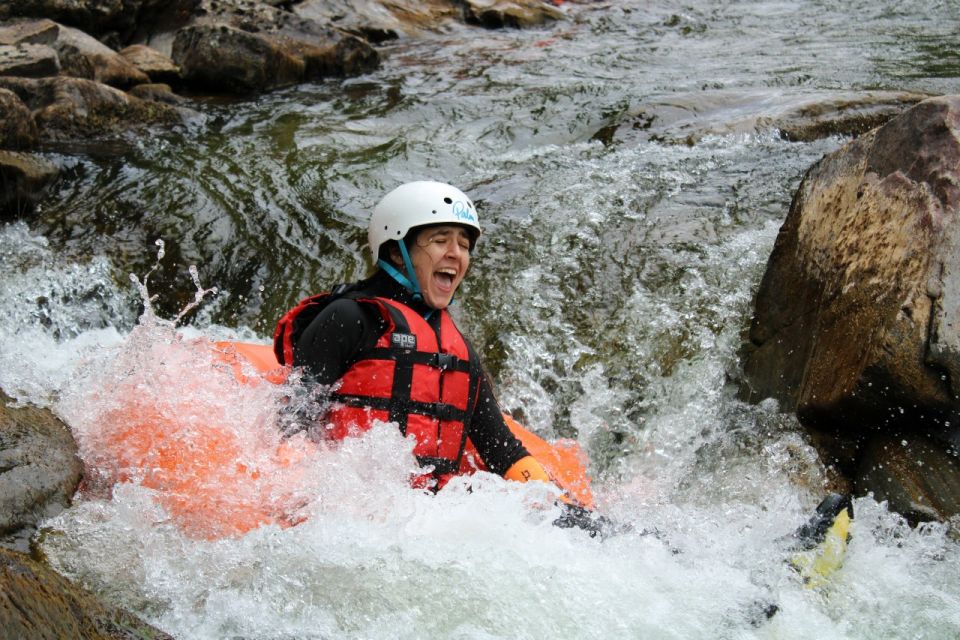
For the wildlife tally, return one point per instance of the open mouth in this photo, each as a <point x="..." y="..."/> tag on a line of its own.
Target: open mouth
<point x="445" y="278"/>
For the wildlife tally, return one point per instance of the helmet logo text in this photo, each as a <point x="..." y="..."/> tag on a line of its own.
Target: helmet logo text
<point x="461" y="212"/>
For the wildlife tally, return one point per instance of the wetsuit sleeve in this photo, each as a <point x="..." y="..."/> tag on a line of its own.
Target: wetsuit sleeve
<point x="329" y="343"/>
<point x="498" y="447"/>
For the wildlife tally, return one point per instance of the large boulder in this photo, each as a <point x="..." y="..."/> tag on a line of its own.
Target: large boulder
<point x="39" y="470"/>
<point x="36" y="602"/>
<point x="857" y="319"/>
<point x="220" y="57"/>
<point x="227" y="58"/>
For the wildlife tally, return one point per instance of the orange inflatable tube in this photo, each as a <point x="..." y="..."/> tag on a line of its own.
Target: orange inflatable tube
<point x="213" y="482"/>
<point x="563" y="460"/>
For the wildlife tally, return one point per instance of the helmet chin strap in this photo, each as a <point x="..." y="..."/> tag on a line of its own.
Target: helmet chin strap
<point x="408" y="281"/>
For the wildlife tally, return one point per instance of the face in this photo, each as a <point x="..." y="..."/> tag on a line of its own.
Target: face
<point x="440" y="257"/>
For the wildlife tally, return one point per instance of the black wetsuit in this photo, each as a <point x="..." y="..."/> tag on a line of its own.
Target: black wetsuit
<point x="330" y="342"/>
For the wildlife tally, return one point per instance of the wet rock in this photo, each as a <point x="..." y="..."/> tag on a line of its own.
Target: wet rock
<point x="159" y="68"/>
<point x="37" y="602"/>
<point x="846" y="115"/>
<point x="83" y="56"/>
<point x="227" y="58"/>
<point x="39" y="469"/>
<point x="224" y="58"/>
<point x="857" y="318"/>
<point x="917" y="476"/>
<point x="69" y="109"/>
<point x="17" y="128"/>
<point x="29" y="31"/>
<point x="31" y="60"/>
<point x="158" y="92"/>
<point x="510" y="13"/>
<point x="687" y="118"/>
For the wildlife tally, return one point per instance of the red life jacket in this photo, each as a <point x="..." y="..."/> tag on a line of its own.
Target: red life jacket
<point x="426" y="381"/>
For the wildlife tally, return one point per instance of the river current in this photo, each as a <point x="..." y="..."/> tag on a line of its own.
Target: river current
<point x="608" y="298"/>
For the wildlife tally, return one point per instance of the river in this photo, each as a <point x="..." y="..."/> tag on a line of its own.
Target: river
<point x="608" y="298"/>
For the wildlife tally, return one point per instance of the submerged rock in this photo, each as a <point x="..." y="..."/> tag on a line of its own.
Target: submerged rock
<point x="39" y="470"/>
<point x="37" y="602"/>
<point x="510" y="13"/>
<point x="857" y="319"/>
<point x="687" y="118"/>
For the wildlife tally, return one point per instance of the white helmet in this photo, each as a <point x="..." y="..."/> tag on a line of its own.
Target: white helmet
<point x="415" y="204"/>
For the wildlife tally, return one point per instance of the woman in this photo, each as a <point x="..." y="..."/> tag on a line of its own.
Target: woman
<point x="391" y="350"/>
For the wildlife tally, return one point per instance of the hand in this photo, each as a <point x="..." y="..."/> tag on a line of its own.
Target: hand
<point x="576" y="516"/>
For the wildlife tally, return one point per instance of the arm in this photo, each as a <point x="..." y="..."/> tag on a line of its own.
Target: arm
<point x="499" y="449"/>
<point x="332" y="339"/>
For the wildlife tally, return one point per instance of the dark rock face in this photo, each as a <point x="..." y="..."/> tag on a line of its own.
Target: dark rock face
<point x="857" y="321"/>
<point x="36" y="602"/>
<point x="39" y="469"/>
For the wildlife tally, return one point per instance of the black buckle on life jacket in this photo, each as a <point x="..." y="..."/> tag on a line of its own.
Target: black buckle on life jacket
<point x="438" y="410"/>
<point x="447" y="361"/>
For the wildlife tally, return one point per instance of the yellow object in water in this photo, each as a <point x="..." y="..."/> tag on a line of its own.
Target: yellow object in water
<point x="824" y="540"/>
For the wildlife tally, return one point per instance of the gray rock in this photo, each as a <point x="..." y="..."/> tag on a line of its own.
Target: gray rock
<point x="39" y="468"/>
<point x="30" y="60"/>
<point x="29" y="31"/>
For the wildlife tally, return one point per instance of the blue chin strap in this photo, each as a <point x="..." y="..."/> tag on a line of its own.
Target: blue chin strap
<point x="408" y="281"/>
